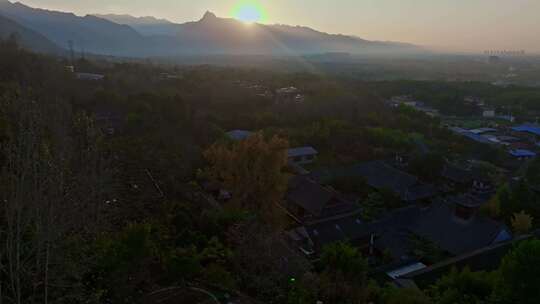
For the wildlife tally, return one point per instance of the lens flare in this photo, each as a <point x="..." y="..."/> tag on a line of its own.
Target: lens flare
<point x="249" y="12"/>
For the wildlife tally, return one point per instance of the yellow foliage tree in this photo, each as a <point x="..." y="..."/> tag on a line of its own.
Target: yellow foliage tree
<point x="522" y="222"/>
<point x="493" y="207"/>
<point x="253" y="171"/>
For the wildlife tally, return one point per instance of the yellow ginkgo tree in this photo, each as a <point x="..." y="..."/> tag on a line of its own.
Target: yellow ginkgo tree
<point x="522" y="222"/>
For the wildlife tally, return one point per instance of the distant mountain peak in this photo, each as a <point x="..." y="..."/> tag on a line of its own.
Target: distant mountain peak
<point x="132" y="20"/>
<point x="124" y="35"/>
<point x="209" y="16"/>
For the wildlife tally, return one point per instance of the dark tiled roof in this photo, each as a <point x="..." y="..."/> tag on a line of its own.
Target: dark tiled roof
<point x="396" y="242"/>
<point x="480" y="175"/>
<point x="419" y="192"/>
<point x="391" y="231"/>
<point x="483" y="259"/>
<point x="439" y="225"/>
<point x="319" y="201"/>
<point x="436" y="224"/>
<point x="350" y="228"/>
<point x="469" y="200"/>
<point x="382" y="176"/>
<point x="456" y="174"/>
<point x="309" y="195"/>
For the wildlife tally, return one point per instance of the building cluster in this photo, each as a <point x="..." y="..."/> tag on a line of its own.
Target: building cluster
<point x="521" y="141"/>
<point x="258" y="89"/>
<point x="289" y="95"/>
<point x="445" y="213"/>
<point x="89" y="76"/>
<point x="408" y="100"/>
<point x="285" y="95"/>
<point x="487" y="111"/>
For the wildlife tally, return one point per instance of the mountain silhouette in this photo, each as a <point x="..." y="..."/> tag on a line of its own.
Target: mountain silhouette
<point x="146" y="26"/>
<point x="26" y="37"/>
<point x="89" y="33"/>
<point x="124" y="35"/>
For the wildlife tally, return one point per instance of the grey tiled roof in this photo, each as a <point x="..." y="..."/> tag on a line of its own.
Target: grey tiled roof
<point x="319" y="201"/>
<point x="436" y="224"/>
<point x="381" y="176"/>
<point x="453" y="235"/>
<point x="309" y="195"/>
<point x="456" y="174"/>
<point x="350" y="228"/>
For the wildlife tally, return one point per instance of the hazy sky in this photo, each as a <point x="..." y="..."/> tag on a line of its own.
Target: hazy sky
<point x="453" y="24"/>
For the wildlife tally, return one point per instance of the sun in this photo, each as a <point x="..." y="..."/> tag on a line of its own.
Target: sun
<point x="248" y="12"/>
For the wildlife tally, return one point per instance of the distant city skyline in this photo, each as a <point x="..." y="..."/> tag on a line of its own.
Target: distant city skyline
<point x="473" y="25"/>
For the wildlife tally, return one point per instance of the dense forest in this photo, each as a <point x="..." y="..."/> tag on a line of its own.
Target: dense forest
<point x="105" y="184"/>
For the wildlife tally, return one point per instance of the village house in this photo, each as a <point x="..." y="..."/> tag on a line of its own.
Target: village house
<point x="521" y="154"/>
<point x="307" y="201"/>
<point x="89" y="76"/>
<point x="454" y="227"/>
<point x="456" y="175"/>
<point x="471" y="135"/>
<point x="531" y="132"/>
<point x="289" y="95"/>
<point x="467" y="180"/>
<point x="383" y="177"/>
<point x="488" y="113"/>
<point x="474" y="100"/>
<point x="302" y="155"/>
<point x="239" y="135"/>
<point x="406" y="100"/>
<point x="484" y="259"/>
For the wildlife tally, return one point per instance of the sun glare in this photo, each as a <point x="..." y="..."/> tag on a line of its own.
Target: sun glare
<point x="248" y="12"/>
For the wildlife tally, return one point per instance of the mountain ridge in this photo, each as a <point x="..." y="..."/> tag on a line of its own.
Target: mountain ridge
<point x="131" y="20"/>
<point x="27" y="38"/>
<point x="125" y="35"/>
<point x="88" y="33"/>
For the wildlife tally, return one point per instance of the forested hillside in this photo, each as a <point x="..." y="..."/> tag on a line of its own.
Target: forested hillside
<point x="126" y="188"/>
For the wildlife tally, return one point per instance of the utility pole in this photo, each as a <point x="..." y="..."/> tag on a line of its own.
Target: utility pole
<point x="71" y="52"/>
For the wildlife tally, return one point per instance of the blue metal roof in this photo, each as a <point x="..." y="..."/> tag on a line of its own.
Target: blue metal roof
<point x="239" y="135"/>
<point x="529" y="128"/>
<point x="483" y="130"/>
<point x="476" y="137"/>
<point x="522" y="153"/>
<point x="302" y="151"/>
